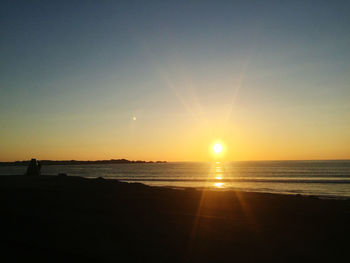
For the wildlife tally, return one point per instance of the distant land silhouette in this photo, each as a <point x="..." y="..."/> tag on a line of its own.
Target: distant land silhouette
<point x="75" y="162"/>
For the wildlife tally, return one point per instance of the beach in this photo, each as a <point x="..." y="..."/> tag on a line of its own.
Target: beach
<point x="55" y="218"/>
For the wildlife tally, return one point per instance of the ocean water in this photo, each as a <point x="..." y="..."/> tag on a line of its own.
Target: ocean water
<point x="319" y="178"/>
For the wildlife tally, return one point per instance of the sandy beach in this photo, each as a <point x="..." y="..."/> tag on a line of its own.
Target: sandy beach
<point x="55" y="218"/>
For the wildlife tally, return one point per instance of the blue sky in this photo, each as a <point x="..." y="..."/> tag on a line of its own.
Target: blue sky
<point x="73" y="72"/>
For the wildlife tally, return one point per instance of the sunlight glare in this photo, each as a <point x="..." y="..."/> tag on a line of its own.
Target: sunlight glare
<point x="219" y="185"/>
<point x="217" y="148"/>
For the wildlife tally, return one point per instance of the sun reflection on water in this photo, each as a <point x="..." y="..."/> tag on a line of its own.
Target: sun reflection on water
<point x="218" y="174"/>
<point x="219" y="185"/>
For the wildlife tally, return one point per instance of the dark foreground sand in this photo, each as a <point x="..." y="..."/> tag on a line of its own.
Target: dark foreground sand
<point x="57" y="219"/>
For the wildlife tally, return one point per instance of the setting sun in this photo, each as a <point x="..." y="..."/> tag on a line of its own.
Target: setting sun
<point x="217" y="148"/>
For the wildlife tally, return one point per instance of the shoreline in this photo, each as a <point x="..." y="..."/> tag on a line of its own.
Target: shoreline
<point x="324" y="180"/>
<point x="228" y="189"/>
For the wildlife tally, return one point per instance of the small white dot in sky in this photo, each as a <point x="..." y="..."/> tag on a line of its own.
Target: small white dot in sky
<point x="134" y="118"/>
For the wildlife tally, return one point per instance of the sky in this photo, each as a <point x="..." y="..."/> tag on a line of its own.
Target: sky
<point x="165" y="80"/>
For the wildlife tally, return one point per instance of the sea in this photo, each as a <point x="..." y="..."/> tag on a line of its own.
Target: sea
<point x="328" y="179"/>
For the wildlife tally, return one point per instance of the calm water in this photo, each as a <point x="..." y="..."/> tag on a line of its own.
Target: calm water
<point x="321" y="178"/>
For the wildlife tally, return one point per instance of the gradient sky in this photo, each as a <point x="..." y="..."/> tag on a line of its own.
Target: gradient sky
<point x="269" y="79"/>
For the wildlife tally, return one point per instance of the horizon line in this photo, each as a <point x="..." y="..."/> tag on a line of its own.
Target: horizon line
<point x="97" y="160"/>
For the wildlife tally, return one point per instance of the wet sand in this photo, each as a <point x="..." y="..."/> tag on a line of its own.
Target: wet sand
<point x="60" y="218"/>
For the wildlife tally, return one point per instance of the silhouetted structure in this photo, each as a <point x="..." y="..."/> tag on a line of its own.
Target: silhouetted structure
<point x="34" y="168"/>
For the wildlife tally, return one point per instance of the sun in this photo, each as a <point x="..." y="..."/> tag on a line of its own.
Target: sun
<point x="217" y="148"/>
